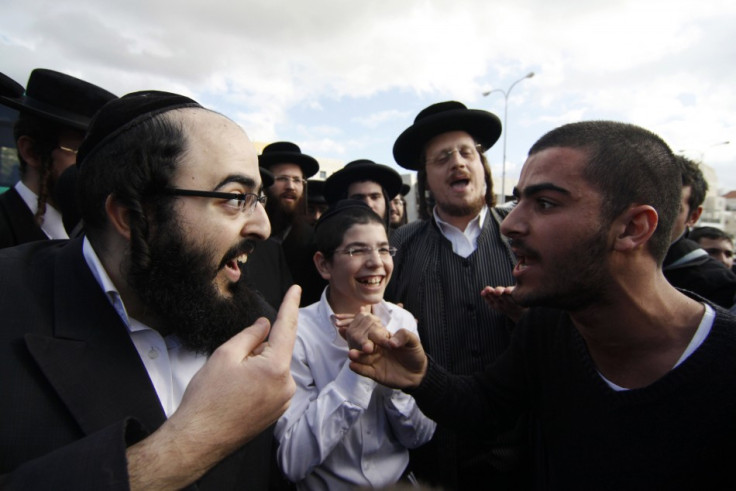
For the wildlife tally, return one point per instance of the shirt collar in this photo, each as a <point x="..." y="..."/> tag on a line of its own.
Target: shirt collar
<point x="52" y="224"/>
<point x="473" y="225"/>
<point x="103" y="279"/>
<point x="382" y="310"/>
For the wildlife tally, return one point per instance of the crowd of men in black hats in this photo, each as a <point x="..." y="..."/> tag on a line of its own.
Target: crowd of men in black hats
<point x="152" y="266"/>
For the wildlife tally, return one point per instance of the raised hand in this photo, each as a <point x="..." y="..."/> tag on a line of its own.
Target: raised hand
<point x="499" y="298"/>
<point x="242" y="389"/>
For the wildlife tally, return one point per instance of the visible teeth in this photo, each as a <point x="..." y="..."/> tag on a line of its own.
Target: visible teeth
<point x="371" y="281"/>
<point x="243" y="258"/>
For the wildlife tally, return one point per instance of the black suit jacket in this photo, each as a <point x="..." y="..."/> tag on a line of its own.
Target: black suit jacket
<point x="17" y="225"/>
<point x="75" y="393"/>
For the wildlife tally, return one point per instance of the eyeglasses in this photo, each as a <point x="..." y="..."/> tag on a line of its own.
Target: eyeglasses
<point x="67" y="149"/>
<point x="297" y="181"/>
<point x="245" y="203"/>
<point x="365" y="251"/>
<point x="467" y="152"/>
<point x="398" y="201"/>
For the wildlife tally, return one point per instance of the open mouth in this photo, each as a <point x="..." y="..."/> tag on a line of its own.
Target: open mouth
<point x="370" y="280"/>
<point x="236" y="259"/>
<point x="459" y="184"/>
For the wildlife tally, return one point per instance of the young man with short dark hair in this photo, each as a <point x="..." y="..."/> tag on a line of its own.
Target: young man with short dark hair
<point x="615" y="367"/>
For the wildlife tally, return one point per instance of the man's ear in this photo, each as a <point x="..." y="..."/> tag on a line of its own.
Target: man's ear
<point x="694" y="216"/>
<point x="322" y="265"/>
<point x="27" y="152"/>
<point x="118" y="216"/>
<point x="636" y="226"/>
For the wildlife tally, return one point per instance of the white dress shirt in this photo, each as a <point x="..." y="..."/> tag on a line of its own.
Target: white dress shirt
<point x="170" y="366"/>
<point x="464" y="242"/>
<point x="343" y="430"/>
<point x="52" y="224"/>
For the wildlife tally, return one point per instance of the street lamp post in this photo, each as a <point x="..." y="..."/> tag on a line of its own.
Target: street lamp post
<point x="505" y="128"/>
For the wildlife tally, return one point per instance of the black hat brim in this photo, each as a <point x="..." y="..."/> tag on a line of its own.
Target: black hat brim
<point x="483" y="126"/>
<point x="337" y="184"/>
<point x="307" y="164"/>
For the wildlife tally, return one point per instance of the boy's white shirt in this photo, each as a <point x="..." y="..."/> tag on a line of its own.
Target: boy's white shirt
<point x="341" y="429"/>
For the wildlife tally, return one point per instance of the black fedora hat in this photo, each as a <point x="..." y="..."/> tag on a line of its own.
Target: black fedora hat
<point x="361" y="170"/>
<point x="405" y="188"/>
<point x="288" y="153"/>
<point x="483" y="126"/>
<point x="56" y="97"/>
<point x="316" y="191"/>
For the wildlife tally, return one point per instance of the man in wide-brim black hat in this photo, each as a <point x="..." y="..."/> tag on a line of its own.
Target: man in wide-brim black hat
<point x="55" y="110"/>
<point x="445" y="260"/>
<point x="367" y="181"/>
<point x="316" y="202"/>
<point x="286" y="210"/>
<point x="290" y="168"/>
<point x="397" y="212"/>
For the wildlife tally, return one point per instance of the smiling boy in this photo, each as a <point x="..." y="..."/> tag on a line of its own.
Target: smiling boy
<point x="342" y="429"/>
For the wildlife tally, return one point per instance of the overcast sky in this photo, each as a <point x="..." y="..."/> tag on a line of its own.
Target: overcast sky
<point x="343" y="78"/>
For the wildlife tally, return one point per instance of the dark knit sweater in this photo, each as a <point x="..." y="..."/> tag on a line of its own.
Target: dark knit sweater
<point x="677" y="433"/>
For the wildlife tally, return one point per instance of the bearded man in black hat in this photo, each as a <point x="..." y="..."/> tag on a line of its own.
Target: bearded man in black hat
<point x="55" y="111"/>
<point x="125" y="355"/>
<point x="397" y="213"/>
<point x="364" y="180"/>
<point x="444" y="262"/>
<point x="286" y="208"/>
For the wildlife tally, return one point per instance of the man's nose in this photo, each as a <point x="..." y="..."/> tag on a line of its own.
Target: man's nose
<point x="257" y="224"/>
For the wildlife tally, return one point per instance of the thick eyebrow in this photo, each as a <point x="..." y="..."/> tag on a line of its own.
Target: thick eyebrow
<point x="364" y="244"/>
<point x="538" y="188"/>
<point x="247" y="182"/>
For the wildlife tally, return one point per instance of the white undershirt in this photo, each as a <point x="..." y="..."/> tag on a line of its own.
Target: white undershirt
<point x="706" y="324"/>
<point x="464" y="242"/>
<point x="52" y="225"/>
<point x="170" y="366"/>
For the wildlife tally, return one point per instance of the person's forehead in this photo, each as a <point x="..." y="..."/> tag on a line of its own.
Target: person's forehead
<point x="448" y="139"/>
<point x="364" y="187"/>
<point x="365" y="232"/>
<point x="561" y="167"/>
<point x="722" y="243"/>
<point x="287" y="169"/>
<point x="216" y="148"/>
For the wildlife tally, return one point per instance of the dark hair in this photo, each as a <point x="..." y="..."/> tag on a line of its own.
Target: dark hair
<point x="134" y="168"/>
<point x="386" y="200"/>
<point x="692" y="176"/>
<point x="712" y="233"/>
<point x="426" y="200"/>
<point x="44" y="135"/>
<point x="628" y="165"/>
<point x="329" y="231"/>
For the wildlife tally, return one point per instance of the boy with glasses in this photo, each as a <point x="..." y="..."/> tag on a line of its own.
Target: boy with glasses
<point x="343" y="430"/>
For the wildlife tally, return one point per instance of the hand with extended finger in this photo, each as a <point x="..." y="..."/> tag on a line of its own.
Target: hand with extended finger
<point x="397" y="361"/>
<point x="242" y="389"/>
<point x="363" y="330"/>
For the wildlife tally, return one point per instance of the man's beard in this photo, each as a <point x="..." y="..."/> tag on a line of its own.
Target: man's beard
<point x="574" y="282"/>
<point x="282" y="217"/>
<point x="464" y="210"/>
<point x="178" y="289"/>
